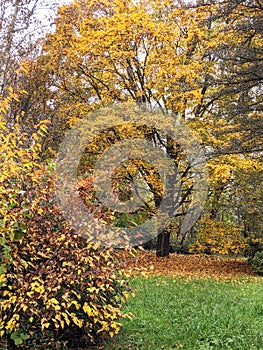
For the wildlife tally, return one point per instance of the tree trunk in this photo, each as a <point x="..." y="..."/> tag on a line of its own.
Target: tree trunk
<point x="163" y="244"/>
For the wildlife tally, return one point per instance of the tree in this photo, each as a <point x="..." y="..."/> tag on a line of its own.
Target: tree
<point x="149" y="52"/>
<point x="17" y="30"/>
<point x="21" y="35"/>
<point x="234" y="90"/>
<point x="230" y="112"/>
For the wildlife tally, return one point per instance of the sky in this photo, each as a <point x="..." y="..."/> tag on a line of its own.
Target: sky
<point x="46" y="12"/>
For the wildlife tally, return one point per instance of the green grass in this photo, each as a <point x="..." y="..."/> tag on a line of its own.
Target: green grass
<point x="195" y="314"/>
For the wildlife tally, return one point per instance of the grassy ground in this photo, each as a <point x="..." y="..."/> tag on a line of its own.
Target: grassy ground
<point x="193" y="314"/>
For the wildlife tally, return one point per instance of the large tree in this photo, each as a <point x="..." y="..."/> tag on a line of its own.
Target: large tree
<point x="149" y="52"/>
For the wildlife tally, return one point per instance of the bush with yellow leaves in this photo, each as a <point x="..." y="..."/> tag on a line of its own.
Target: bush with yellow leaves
<point x="218" y="237"/>
<point x="56" y="291"/>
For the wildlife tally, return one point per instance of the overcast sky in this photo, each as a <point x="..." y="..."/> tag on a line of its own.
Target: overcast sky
<point x="46" y="12"/>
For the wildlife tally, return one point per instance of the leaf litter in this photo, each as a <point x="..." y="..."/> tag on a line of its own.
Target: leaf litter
<point x="179" y="265"/>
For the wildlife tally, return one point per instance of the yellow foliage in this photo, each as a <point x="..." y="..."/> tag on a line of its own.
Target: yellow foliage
<point x="218" y="237"/>
<point x="46" y="271"/>
<point x="148" y="50"/>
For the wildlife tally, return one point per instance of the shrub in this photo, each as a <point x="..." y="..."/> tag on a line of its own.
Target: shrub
<point x="59" y="290"/>
<point x="55" y="290"/>
<point x="257" y="263"/>
<point x="218" y="237"/>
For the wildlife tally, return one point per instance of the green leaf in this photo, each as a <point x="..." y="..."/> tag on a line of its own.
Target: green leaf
<point x="18" y="337"/>
<point x="18" y="235"/>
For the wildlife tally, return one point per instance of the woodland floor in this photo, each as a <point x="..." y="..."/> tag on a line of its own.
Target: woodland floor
<point x="178" y="265"/>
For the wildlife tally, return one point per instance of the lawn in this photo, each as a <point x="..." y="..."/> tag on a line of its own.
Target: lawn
<point x="192" y="313"/>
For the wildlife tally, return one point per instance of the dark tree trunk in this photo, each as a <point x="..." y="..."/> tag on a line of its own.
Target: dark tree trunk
<point x="163" y="244"/>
